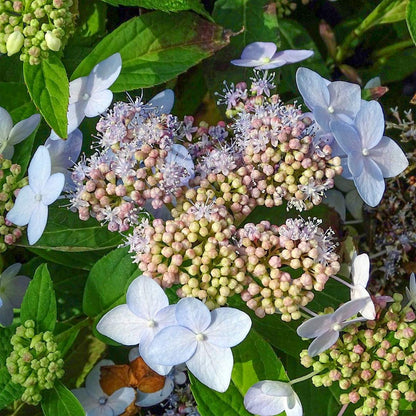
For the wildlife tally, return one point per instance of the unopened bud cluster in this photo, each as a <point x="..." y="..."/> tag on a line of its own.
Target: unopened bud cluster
<point x="35" y="362"/>
<point x="9" y="184"/>
<point x="267" y="250"/>
<point x="373" y="362"/>
<point x="34" y="27"/>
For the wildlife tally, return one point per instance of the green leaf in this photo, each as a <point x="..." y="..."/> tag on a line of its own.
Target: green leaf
<point x="294" y="36"/>
<point x="255" y="360"/>
<point x="388" y="11"/>
<point x="84" y="354"/>
<point x="108" y="281"/>
<point x="212" y="403"/>
<point x="66" y="236"/>
<point x="60" y="401"/>
<point x="155" y="48"/>
<point x="164" y="5"/>
<point x="281" y="335"/>
<point x="48" y="86"/>
<point x="411" y="19"/>
<point x="13" y="95"/>
<point x="9" y="391"/>
<point x="39" y="302"/>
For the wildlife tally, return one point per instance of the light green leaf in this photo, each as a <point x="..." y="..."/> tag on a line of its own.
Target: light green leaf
<point x="108" y="281"/>
<point x="60" y="401"/>
<point x="388" y="11"/>
<point x="48" y="86"/>
<point x="66" y="236"/>
<point x="255" y="360"/>
<point x="411" y="18"/>
<point x="164" y="5"/>
<point x="39" y="302"/>
<point x="155" y="48"/>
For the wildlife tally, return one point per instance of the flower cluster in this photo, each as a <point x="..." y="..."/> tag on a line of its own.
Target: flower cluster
<point x="374" y="363"/>
<point x="267" y="250"/>
<point x="138" y="163"/>
<point x="34" y="27"/>
<point x="10" y="182"/>
<point x="35" y="362"/>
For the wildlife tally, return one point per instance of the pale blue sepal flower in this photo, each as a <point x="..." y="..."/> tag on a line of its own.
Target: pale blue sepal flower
<point x="410" y="291"/>
<point x="95" y="402"/>
<point x="12" y="290"/>
<point x="64" y="154"/>
<point x="11" y="135"/>
<point x="263" y="55"/>
<point x="371" y="156"/>
<point x="90" y="96"/>
<point x="144" y="314"/>
<point x="162" y="103"/>
<point x="325" y="328"/>
<point x="269" y="398"/>
<point x="360" y="273"/>
<point x="202" y="340"/>
<point x="327" y="100"/>
<point x="31" y="205"/>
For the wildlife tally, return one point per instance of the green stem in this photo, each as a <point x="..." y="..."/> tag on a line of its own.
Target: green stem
<point x="392" y="49"/>
<point x="306" y="377"/>
<point x="17" y="409"/>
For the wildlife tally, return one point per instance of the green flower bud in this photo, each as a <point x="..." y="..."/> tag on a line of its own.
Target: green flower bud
<point x="14" y="43"/>
<point x="53" y="42"/>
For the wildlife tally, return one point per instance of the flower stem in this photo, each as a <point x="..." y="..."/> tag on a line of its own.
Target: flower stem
<point x="343" y="409"/>
<point x="338" y="279"/>
<point x="306" y="377"/>
<point x="312" y="313"/>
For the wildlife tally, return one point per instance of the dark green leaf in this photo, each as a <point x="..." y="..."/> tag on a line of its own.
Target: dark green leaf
<point x="48" y="86"/>
<point x="60" y="401"/>
<point x="9" y="391"/>
<point x="108" y="281"/>
<point x="84" y="354"/>
<point x="13" y="95"/>
<point x="411" y="18"/>
<point x="39" y="302"/>
<point x="212" y="403"/>
<point x="164" y="5"/>
<point x="66" y="236"/>
<point x="155" y="48"/>
<point x="294" y="36"/>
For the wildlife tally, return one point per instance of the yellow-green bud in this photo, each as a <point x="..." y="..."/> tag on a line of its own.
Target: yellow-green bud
<point x="14" y="43"/>
<point x="54" y="43"/>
